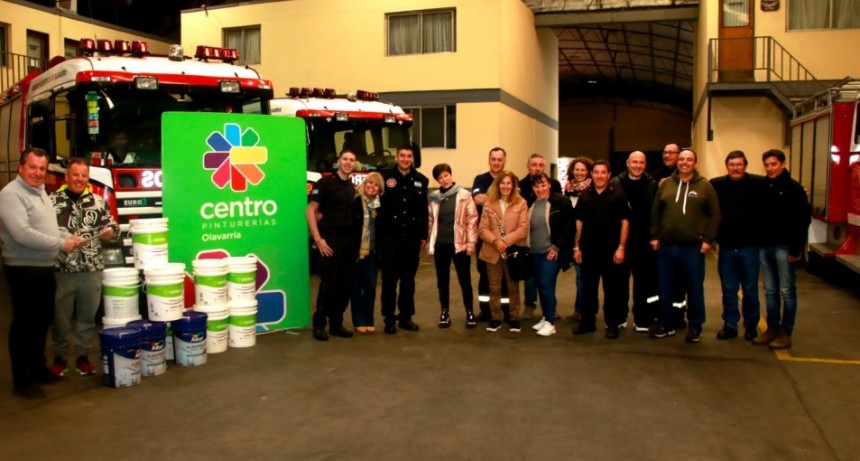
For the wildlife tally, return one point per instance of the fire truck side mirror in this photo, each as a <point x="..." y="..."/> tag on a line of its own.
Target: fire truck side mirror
<point x="416" y="155"/>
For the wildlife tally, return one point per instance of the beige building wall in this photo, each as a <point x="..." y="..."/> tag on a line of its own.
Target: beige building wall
<point x="341" y="44"/>
<point x="59" y="25"/>
<point x="757" y="124"/>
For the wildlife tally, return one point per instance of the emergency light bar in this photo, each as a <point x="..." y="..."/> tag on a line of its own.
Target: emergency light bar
<point x="104" y="47"/>
<point x="296" y="92"/>
<point x="205" y="53"/>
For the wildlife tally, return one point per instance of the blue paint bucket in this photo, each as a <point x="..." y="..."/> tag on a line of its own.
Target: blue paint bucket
<point x="189" y="339"/>
<point x="121" y="356"/>
<point x="153" y="350"/>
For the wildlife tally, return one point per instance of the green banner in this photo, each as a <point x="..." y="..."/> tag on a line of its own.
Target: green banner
<point x="236" y="185"/>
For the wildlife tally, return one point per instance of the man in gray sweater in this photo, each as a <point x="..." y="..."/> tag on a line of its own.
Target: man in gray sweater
<point x="31" y="241"/>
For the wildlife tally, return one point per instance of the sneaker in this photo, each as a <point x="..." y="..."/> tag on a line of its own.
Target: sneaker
<point x="727" y="333"/>
<point x="58" y="368"/>
<point x="766" y="338"/>
<point x="548" y="329"/>
<point x="444" y="320"/>
<point x="471" y="321"/>
<point x="540" y="324"/>
<point x="750" y="334"/>
<point x="515" y="326"/>
<point x="494" y="326"/>
<point x="84" y="367"/>
<point x="783" y="341"/>
<point x="661" y="332"/>
<point x="320" y="334"/>
<point x="694" y="335"/>
<point x="621" y="326"/>
<point x="640" y="329"/>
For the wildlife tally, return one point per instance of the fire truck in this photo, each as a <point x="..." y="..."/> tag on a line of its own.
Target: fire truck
<point x="357" y="121"/>
<point x="106" y="107"/>
<point x="825" y="159"/>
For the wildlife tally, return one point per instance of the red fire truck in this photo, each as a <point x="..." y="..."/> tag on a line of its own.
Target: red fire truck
<point x="357" y="120"/>
<point x="825" y="158"/>
<point x="106" y="106"/>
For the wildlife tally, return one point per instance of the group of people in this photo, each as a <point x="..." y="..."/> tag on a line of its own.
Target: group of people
<point x="656" y="228"/>
<point x="53" y="264"/>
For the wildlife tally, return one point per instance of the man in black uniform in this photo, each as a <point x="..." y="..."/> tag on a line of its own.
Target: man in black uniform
<point x="640" y="188"/>
<point x="333" y="197"/>
<point x="480" y="186"/>
<point x="602" y="223"/>
<point x="401" y="227"/>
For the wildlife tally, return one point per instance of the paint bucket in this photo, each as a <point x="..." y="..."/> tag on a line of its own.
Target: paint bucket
<point x="118" y="323"/>
<point x="189" y="339"/>
<point x="216" y="331"/>
<point x="121" y="356"/>
<point x="153" y="352"/>
<point x="210" y="281"/>
<point x="243" y="323"/>
<point x="149" y="242"/>
<point x="242" y="278"/>
<point x="168" y="342"/>
<point x="165" y="291"/>
<point x="120" y="289"/>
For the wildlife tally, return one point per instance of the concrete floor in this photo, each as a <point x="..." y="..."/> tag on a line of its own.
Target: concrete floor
<point x="467" y="394"/>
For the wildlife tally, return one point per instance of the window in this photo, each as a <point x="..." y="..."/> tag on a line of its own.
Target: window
<point x="736" y="13"/>
<point x="434" y="126"/>
<point x="247" y="41"/>
<point x="4" y="44"/>
<point x="823" y="14"/>
<point x="421" y="32"/>
<point x="71" y="48"/>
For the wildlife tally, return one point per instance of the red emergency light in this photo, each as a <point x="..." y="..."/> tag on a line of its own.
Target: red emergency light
<point x="366" y="95"/>
<point x="206" y="53"/>
<point x="139" y="48"/>
<point x="87" y="46"/>
<point x="121" y="46"/>
<point x="105" y="47"/>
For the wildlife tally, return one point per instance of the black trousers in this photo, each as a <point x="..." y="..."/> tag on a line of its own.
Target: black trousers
<point x="335" y="281"/>
<point x="33" y="290"/>
<point x="642" y="264"/>
<point x="443" y="254"/>
<point x="597" y="265"/>
<point x="399" y="263"/>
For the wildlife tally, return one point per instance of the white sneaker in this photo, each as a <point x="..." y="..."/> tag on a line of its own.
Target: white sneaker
<point x="640" y="329"/>
<point x="621" y="326"/>
<point x="547" y="329"/>
<point x="540" y="324"/>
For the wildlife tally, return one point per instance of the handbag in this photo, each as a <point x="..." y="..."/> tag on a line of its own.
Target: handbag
<point x="519" y="261"/>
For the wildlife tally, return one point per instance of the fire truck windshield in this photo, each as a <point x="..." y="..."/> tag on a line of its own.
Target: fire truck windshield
<point x="374" y="143"/>
<point x="125" y="126"/>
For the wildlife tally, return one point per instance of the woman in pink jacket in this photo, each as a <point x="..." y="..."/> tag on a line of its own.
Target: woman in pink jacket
<point x="504" y="222"/>
<point x="453" y="230"/>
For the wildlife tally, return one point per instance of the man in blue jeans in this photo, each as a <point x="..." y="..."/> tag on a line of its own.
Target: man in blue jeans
<point x="739" y="237"/>
<point x="785" y="219"/>
<point x="684" y="222"/>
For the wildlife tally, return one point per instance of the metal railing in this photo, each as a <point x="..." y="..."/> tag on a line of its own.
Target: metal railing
<point x="770" y="62"/>
<point x="14" y="67"/>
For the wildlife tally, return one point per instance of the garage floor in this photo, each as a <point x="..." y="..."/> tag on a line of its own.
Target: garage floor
<point x="471" y="395"/>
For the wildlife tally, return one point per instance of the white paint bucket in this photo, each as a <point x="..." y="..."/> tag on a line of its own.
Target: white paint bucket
<point x="165" y="292"/>
<point x="242" y="278"/>
<point x="243" y="323"/>
<point x="121" y="356"/>
<point x="149" y="242"/>
<point x="210" y="281"/>
<point x="216" y="331"/>
<point x="120" y="290"/>
<point x="153" y="351"/>
<point x="119" y="323"/>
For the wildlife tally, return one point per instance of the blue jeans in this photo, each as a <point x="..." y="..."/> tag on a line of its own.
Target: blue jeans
<point x="364" y="290"/>
<point x="738" y="268"/>
<point x="685" y="264"/>
<point x="779" y="274"/>
<point x="530" y="291"/>
<point x="546" y="273"/>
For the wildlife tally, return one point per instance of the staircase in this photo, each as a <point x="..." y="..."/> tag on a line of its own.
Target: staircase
<point x="14" y="67"/>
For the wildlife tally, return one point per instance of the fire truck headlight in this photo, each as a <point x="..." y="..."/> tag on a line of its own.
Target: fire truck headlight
<point x="229" y="86"/>
<point x="341" y="117"/>
<point x="146" y="83"/>
<point x="390" y="119"/>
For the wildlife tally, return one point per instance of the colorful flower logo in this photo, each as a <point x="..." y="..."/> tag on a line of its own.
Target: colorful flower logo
<point x="234" y="157"/>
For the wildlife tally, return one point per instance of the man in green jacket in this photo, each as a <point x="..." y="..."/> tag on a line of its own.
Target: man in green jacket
<point x="685" y="218"/>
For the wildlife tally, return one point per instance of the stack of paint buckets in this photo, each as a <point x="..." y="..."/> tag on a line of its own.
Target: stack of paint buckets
<point x="225" y="289"/>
